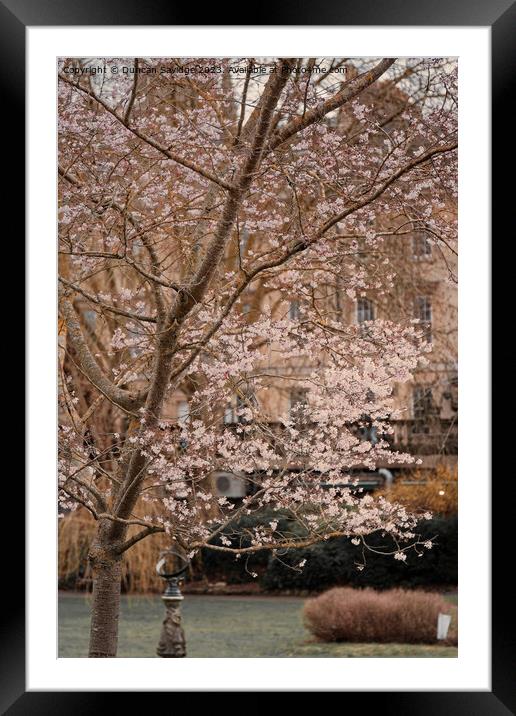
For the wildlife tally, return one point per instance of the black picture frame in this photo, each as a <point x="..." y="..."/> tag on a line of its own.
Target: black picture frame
<point x="500" y="16"/>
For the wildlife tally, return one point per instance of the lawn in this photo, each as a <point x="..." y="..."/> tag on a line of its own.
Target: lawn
<point x="221" y="627"/>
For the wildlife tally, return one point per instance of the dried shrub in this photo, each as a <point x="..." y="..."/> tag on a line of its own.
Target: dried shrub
<point x="364" y="615"/>
<point x="76" y="532"/>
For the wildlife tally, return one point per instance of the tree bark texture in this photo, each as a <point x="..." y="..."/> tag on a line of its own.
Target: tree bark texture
<point x="105" y="607"/>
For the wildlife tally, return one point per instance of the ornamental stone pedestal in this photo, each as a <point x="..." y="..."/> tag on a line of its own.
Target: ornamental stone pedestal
<point x="172" y="643"/>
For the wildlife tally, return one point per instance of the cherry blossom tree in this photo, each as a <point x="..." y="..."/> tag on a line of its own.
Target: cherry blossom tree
<point x="199" y="200"/>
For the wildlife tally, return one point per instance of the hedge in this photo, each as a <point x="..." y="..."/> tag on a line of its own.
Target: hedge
<point x="223" y="566"/>
<point x="334" y="563"/>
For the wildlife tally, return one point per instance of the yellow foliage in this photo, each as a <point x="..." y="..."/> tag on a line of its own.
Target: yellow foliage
<point x="434" y="490"/>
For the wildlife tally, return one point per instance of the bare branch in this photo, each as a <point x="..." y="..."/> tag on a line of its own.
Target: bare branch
<point x="127" y="114"/>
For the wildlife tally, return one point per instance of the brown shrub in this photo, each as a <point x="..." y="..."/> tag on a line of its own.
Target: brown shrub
<point x="363" y="615"/>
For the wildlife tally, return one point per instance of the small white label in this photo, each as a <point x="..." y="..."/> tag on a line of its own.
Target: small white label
<point x="443" y="624"/>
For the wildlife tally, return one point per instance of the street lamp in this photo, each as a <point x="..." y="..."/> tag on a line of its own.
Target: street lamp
<point x="171" y="566"/>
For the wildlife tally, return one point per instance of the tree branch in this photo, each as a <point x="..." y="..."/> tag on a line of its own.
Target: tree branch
<point x="351" y="89"/>
<point x="126" y="400"/>
<point x="127" y="114"/>
<point x="151" y="530"/>
<point x="148" y="140"/>
<point x="105" y="306"/>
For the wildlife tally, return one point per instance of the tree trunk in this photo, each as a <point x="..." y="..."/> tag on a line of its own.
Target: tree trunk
<point x="106" y="606"/>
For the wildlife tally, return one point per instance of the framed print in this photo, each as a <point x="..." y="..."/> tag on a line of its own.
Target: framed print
<point x="258" y="284"/>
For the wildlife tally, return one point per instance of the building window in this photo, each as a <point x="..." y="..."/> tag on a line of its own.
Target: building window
<point x="423" y="312"/>
<point x="421" y="246"/>
<point x="239" y="403"/>
<point x="90" y="318"/>
<point x="294" y="310"/>
<point x="298" y="400"/>
<point x="244" y="240"/>
<point x="365" y="310"/>
<point x="423" y="408"/>
<point x="230" y="414"/>
<point x="182" y="412"/>
<point x="137" y="247"/>
<point x="367" y="431"/>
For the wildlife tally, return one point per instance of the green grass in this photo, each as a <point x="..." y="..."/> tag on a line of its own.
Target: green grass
<point x="221" y="627"/>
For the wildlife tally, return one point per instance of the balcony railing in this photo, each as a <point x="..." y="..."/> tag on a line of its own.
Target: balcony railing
<point x="435" y="436"/>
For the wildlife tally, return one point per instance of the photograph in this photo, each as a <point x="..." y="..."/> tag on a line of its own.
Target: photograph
<point x="257" y="357"/>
